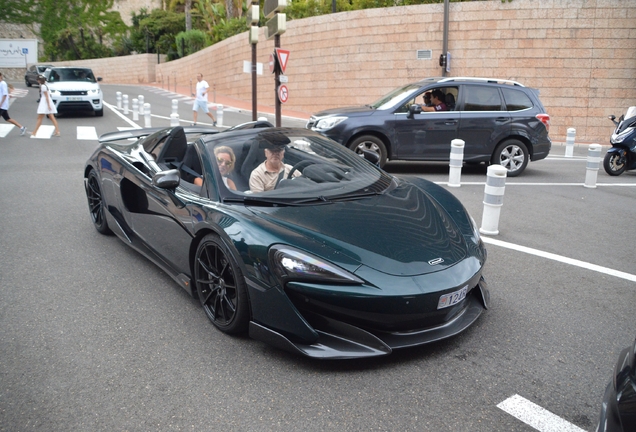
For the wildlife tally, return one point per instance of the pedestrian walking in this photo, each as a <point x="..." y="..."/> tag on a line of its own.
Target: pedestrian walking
<point x="4" y="105"/>
<point x="201" y="100"/>
<point x="46" y="107"/>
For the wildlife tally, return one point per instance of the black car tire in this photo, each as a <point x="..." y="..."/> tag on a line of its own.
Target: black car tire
<point x="513" y="155"/>
<point x="611" y="164"/>
<point x="99" y="113"/>
<point x="26" y="81"/>
<point x="221" y="286"/>
<point x="96" y="203"/>
<point x="371" y="143"/>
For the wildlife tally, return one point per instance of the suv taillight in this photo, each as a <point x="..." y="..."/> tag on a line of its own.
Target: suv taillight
<point x="545" y="119"/>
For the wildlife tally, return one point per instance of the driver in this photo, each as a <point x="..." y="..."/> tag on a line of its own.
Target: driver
<point x="266" y="176"/>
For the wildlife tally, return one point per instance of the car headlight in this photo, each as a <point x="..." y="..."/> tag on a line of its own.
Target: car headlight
<point x="94" y="91"/>
<point x="328" y="122"/>
<point x="55" y="92"/>
<point x="290" y="263"/>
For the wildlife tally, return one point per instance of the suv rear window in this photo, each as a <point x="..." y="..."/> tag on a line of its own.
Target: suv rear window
<point x="516" y="100"/>
<point x="480" y="98"/>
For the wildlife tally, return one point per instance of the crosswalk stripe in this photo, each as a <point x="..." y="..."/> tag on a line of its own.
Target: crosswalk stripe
<point x="5" y="129"/>
<point x="44" y="132"/>
<point x="86" y="133"/>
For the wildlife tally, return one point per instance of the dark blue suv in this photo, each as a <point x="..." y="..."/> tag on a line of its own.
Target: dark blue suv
<point x="501" y="122"/>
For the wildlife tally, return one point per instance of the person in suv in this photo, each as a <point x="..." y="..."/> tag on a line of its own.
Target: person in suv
<point x="501" y="122"/>
<point x="75" y="89"/>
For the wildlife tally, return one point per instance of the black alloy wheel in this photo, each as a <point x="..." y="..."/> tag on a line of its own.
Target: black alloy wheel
<point x="371" y="143"/>
<point x="96" y="203"/>
<point x="614" y="164"/>
<point x="513" y="155"/>
<point x="221" y="286"/>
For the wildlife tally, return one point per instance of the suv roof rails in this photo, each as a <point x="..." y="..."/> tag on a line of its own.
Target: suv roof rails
<point x="490" y="80"/>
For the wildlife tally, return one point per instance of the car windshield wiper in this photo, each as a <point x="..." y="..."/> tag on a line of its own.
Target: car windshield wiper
<point x="356" y="196"/>
<point x="258" y="201"/>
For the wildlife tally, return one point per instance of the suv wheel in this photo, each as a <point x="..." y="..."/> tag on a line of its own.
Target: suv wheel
<point x="371" y="143"/>
<point x="513" y="155"/>
<point x="26" y="81"/>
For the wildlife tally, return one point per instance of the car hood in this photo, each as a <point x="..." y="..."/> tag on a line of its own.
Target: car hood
<point x="404" y="232"/>
<point x="361" y="110"/>
<point x="72" y="85"/>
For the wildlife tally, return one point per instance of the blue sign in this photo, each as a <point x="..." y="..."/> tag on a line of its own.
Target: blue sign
<point x="25" y="51"/>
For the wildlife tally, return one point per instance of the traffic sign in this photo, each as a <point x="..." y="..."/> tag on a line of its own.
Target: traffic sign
<point x="283" y="56"/>
<point x="283" y="93"/>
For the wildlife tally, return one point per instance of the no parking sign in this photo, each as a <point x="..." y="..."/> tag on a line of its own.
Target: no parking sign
<point x="283" y="93"/>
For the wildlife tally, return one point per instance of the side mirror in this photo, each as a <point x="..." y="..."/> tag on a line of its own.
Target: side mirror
<point x="99" y="78"/>
<point x="612" y="117"/>
<point x="414" y="109"/>
<point x="167" y="179"/>
<point x="372" y="157"/>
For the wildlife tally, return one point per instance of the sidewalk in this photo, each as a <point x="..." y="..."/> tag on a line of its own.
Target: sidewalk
<point x="227" y="101"/>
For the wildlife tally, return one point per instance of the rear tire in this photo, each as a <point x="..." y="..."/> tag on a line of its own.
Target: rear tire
<point x="370" y="143"/>
<point x="612" y="164"/>
<point x="513" y="155"/>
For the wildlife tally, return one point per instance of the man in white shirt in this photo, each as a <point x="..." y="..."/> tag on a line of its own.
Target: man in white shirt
<point x="4" y="105"/>
<point x="201" y="100"/>
<point x="267" y="175"/>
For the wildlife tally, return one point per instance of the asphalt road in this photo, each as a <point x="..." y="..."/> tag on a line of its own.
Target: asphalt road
<point x="93" y="337"/>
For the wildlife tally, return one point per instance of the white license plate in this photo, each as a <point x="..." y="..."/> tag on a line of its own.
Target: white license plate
<point x="72" y="98"/>
<point x="453" y="298"/>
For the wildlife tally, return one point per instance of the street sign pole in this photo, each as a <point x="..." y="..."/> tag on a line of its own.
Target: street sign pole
<point x="254" y="105"/>
<point x="277" y="83"/>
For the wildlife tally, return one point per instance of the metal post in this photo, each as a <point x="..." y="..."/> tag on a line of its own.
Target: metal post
<point x="254" y="108"/>
<point x="276" y="85"/>
<point x="175" y="106"/>
<point x="593" y="164"/>
<point x="175" y="82"/>
<point x="125" y="97"/>
<point x="118" y="100"/>
<point x="135" y="109"/>
<point x="569" y="142"/>
<point x="219" y="115"/>
<point x="174" y="119"/>
<point x="445" y="41"/>
<point x="147" y="122"/>
<point x="456" y="162"/>
<point x="493" y="199"/>
<point x="141" y="104"/>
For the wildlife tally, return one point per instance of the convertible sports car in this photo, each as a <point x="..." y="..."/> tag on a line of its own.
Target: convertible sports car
<point x="338" y="260"/>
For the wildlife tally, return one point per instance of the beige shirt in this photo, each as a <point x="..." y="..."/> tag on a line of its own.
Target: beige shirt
<point x="262" y="180"/>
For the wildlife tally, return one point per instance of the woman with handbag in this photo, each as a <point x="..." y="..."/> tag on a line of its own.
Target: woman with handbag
<point x="46" y="107"/>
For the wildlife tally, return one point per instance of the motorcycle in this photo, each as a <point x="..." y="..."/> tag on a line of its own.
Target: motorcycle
<point x="622" y="156"/>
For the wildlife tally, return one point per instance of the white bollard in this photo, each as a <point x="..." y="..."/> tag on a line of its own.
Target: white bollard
<point x="175" y="106"/>
<point x="141" y="104"/>
<point x="174" y="119"/>
<point x="219" y="115"/>
<point x="135" y="109"/>
<point x="493" y="199"/>
<point x="147" y="122"/>
<point x="593" y="164"/>
<point x="456" y="162"/>
<point x="569" y="142"/>
<point x="125" y="104"/>
<point x="118" y="100"/>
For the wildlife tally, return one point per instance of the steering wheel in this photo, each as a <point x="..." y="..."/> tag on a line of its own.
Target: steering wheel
<point x="299" y="166"/>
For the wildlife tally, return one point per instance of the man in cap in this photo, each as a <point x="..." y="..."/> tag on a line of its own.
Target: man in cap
<point x="267" y="175"/>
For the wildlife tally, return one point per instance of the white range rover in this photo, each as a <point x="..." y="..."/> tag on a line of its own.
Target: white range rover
<point x="75" y="89"/>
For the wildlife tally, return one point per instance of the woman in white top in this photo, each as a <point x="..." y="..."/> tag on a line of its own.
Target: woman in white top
<point x="46" y="107"/>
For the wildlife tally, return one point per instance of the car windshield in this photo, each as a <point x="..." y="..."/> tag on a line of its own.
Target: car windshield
<point x="396" y="96"/>
<point x="71" y="74"/>
<point x="317" y="170"/>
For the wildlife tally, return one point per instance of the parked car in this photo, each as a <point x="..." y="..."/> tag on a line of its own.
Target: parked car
<point x="341" y="261"/>
<point x="618" y="411"/>
<point x="75" y="89"/>
<point x="32" y="73"/>
<point x="501" y="122"/>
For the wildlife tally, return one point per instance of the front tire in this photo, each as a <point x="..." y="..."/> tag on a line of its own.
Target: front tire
<point x="26" y="81"/>
<point x="513" y="155"/>
<point x="614" y="164"/>
<point x="221" y="286"/>
<point x="96" y="203"/>
<point x="371" y="143"/>
<point x="99" y="113"/>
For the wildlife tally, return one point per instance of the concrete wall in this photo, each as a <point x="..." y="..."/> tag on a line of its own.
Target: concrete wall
<point x="580" y="54"/>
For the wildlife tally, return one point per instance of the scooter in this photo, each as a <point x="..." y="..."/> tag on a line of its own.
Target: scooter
<point x="622" y="156"/>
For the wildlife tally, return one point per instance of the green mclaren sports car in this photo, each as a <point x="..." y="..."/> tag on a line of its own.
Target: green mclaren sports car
<point x="292" y="238"/>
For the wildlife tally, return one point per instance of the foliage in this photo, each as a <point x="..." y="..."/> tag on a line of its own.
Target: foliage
<point x="228" y="28"/>
<point x="154" y="31"/>
<point x="210" y="13"/>
<point x="192" y="41"/>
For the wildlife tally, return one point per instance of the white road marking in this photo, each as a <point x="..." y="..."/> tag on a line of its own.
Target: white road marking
<point x="535" y="416"/>
<point x="126" y="119"/>
<point x="44" y="132"/>
<point x="559" y="258"/>
<point x="5" y="129"/>
<point x="544" y="184"/>
<point x="87" y="133"/>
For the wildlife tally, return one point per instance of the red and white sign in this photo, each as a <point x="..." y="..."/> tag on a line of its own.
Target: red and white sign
<point x="283" y="56"/>
<point x="283" y="93"/>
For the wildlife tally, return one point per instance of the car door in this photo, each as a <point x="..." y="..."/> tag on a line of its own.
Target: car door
<point x="425" y="136"/>
<point x="484" y="120"/>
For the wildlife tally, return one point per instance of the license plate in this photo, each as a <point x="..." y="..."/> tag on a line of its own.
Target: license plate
<point x="71" y="98"/>
<point x="453" y="298"/>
